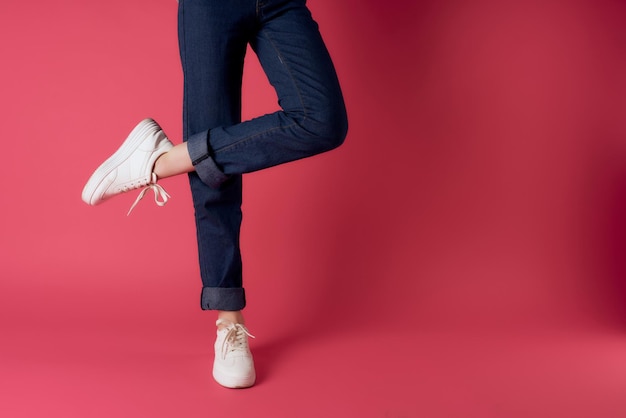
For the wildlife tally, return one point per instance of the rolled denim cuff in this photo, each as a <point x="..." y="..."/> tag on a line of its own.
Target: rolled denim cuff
<point x="207" y="170"/>
<point x="223" y="298"/>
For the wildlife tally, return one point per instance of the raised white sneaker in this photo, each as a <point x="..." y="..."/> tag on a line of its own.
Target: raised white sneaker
<point x="130" y="167"/>
<point x="233" y="366"/>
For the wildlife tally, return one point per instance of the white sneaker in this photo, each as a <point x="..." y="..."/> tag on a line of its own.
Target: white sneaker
<point x="130" y="167"/>
<point x="233" y="366"/>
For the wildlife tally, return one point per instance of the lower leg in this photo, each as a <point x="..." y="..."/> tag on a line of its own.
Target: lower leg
<point x="175" y="161"/>
<point x="235" y="317"/>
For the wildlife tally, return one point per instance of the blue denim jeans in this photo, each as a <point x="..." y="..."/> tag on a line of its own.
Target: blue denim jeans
<point x="213" y="38"/>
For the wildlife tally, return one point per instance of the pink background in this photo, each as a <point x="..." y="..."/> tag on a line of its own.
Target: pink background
<point x="463" y="254"/>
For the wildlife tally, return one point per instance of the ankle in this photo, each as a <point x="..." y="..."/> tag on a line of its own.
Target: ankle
<point x="234" y="317"/>
<point x="160" y="165"/>
<point x="174" y="162"/>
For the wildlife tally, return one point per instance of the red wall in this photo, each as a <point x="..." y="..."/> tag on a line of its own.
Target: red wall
<point x="483" y="182"/>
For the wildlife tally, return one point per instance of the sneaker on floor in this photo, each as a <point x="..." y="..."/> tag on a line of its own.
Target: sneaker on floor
<point x="233" y="366"/>
<point x="130" y="167"/>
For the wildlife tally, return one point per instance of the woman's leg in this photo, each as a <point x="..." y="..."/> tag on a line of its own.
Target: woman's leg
<point x="313" y="116"/>
<point x="218" y="148"/>
<point x="174" y="162"/>
<point x="213" y="36"/>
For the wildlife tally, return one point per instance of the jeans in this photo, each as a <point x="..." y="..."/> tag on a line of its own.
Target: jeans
<point x="213" y="38"/>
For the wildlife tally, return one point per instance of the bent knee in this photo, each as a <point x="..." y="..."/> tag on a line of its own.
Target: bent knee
<point x="329" y="130"/>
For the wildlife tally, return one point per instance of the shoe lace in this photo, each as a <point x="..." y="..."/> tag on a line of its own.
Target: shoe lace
<point x="236" y="339"/>
<point x="159" y="193"/>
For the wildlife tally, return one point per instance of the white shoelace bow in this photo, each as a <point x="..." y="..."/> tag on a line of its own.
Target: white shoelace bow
<point x="235" y="339"/>
<point x="159" y="193"/>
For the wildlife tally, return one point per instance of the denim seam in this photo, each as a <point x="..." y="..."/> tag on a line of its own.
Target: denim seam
<point x="184" y="65"/>
<point x="200" y="159"/>
<point x="280" y="57"/>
